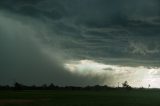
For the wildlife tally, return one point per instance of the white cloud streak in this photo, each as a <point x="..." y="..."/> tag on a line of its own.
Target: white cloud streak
<point x="137" y="76"/>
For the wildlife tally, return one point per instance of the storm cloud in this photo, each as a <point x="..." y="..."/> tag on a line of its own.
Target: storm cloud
<point x="39" y="37"/>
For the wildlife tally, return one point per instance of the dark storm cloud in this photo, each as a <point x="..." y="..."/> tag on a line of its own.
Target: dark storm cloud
<point x="24" y="60"/>
<point x="39" y="36"/>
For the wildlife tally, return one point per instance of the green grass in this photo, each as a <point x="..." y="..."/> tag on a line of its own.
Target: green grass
<point x="83" y="98"/>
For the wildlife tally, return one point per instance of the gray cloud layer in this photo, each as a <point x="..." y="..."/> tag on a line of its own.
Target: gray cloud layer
<point x="38" y="36"/>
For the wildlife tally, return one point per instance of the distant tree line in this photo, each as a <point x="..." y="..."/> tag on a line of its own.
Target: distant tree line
<point x="19" y="86"/>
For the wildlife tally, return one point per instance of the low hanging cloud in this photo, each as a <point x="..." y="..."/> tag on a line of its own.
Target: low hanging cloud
<point x="26" y="59"/>
<point x="38" y="38"/>
<point x="114" y="74"/>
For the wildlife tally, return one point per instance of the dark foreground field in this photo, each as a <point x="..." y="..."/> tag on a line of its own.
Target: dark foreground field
<point x="81" y="98"/>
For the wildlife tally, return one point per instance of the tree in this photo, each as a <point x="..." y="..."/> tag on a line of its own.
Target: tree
<point x="18" y="86"/>
<point x="126" y="85"/>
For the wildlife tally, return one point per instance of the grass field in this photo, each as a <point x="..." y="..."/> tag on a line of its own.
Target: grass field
<point x="81" y="98"/>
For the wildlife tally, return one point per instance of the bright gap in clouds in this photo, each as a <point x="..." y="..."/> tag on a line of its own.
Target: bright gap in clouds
<point x="139" y="76"/>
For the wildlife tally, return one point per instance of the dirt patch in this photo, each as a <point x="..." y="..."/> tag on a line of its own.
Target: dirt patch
<point x="14" y="101"/>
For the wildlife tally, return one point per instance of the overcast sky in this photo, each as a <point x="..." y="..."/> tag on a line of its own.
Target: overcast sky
<point x="80" y="42"/>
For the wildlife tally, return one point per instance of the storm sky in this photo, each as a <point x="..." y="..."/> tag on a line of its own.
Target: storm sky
<point x="80" y="42"/>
